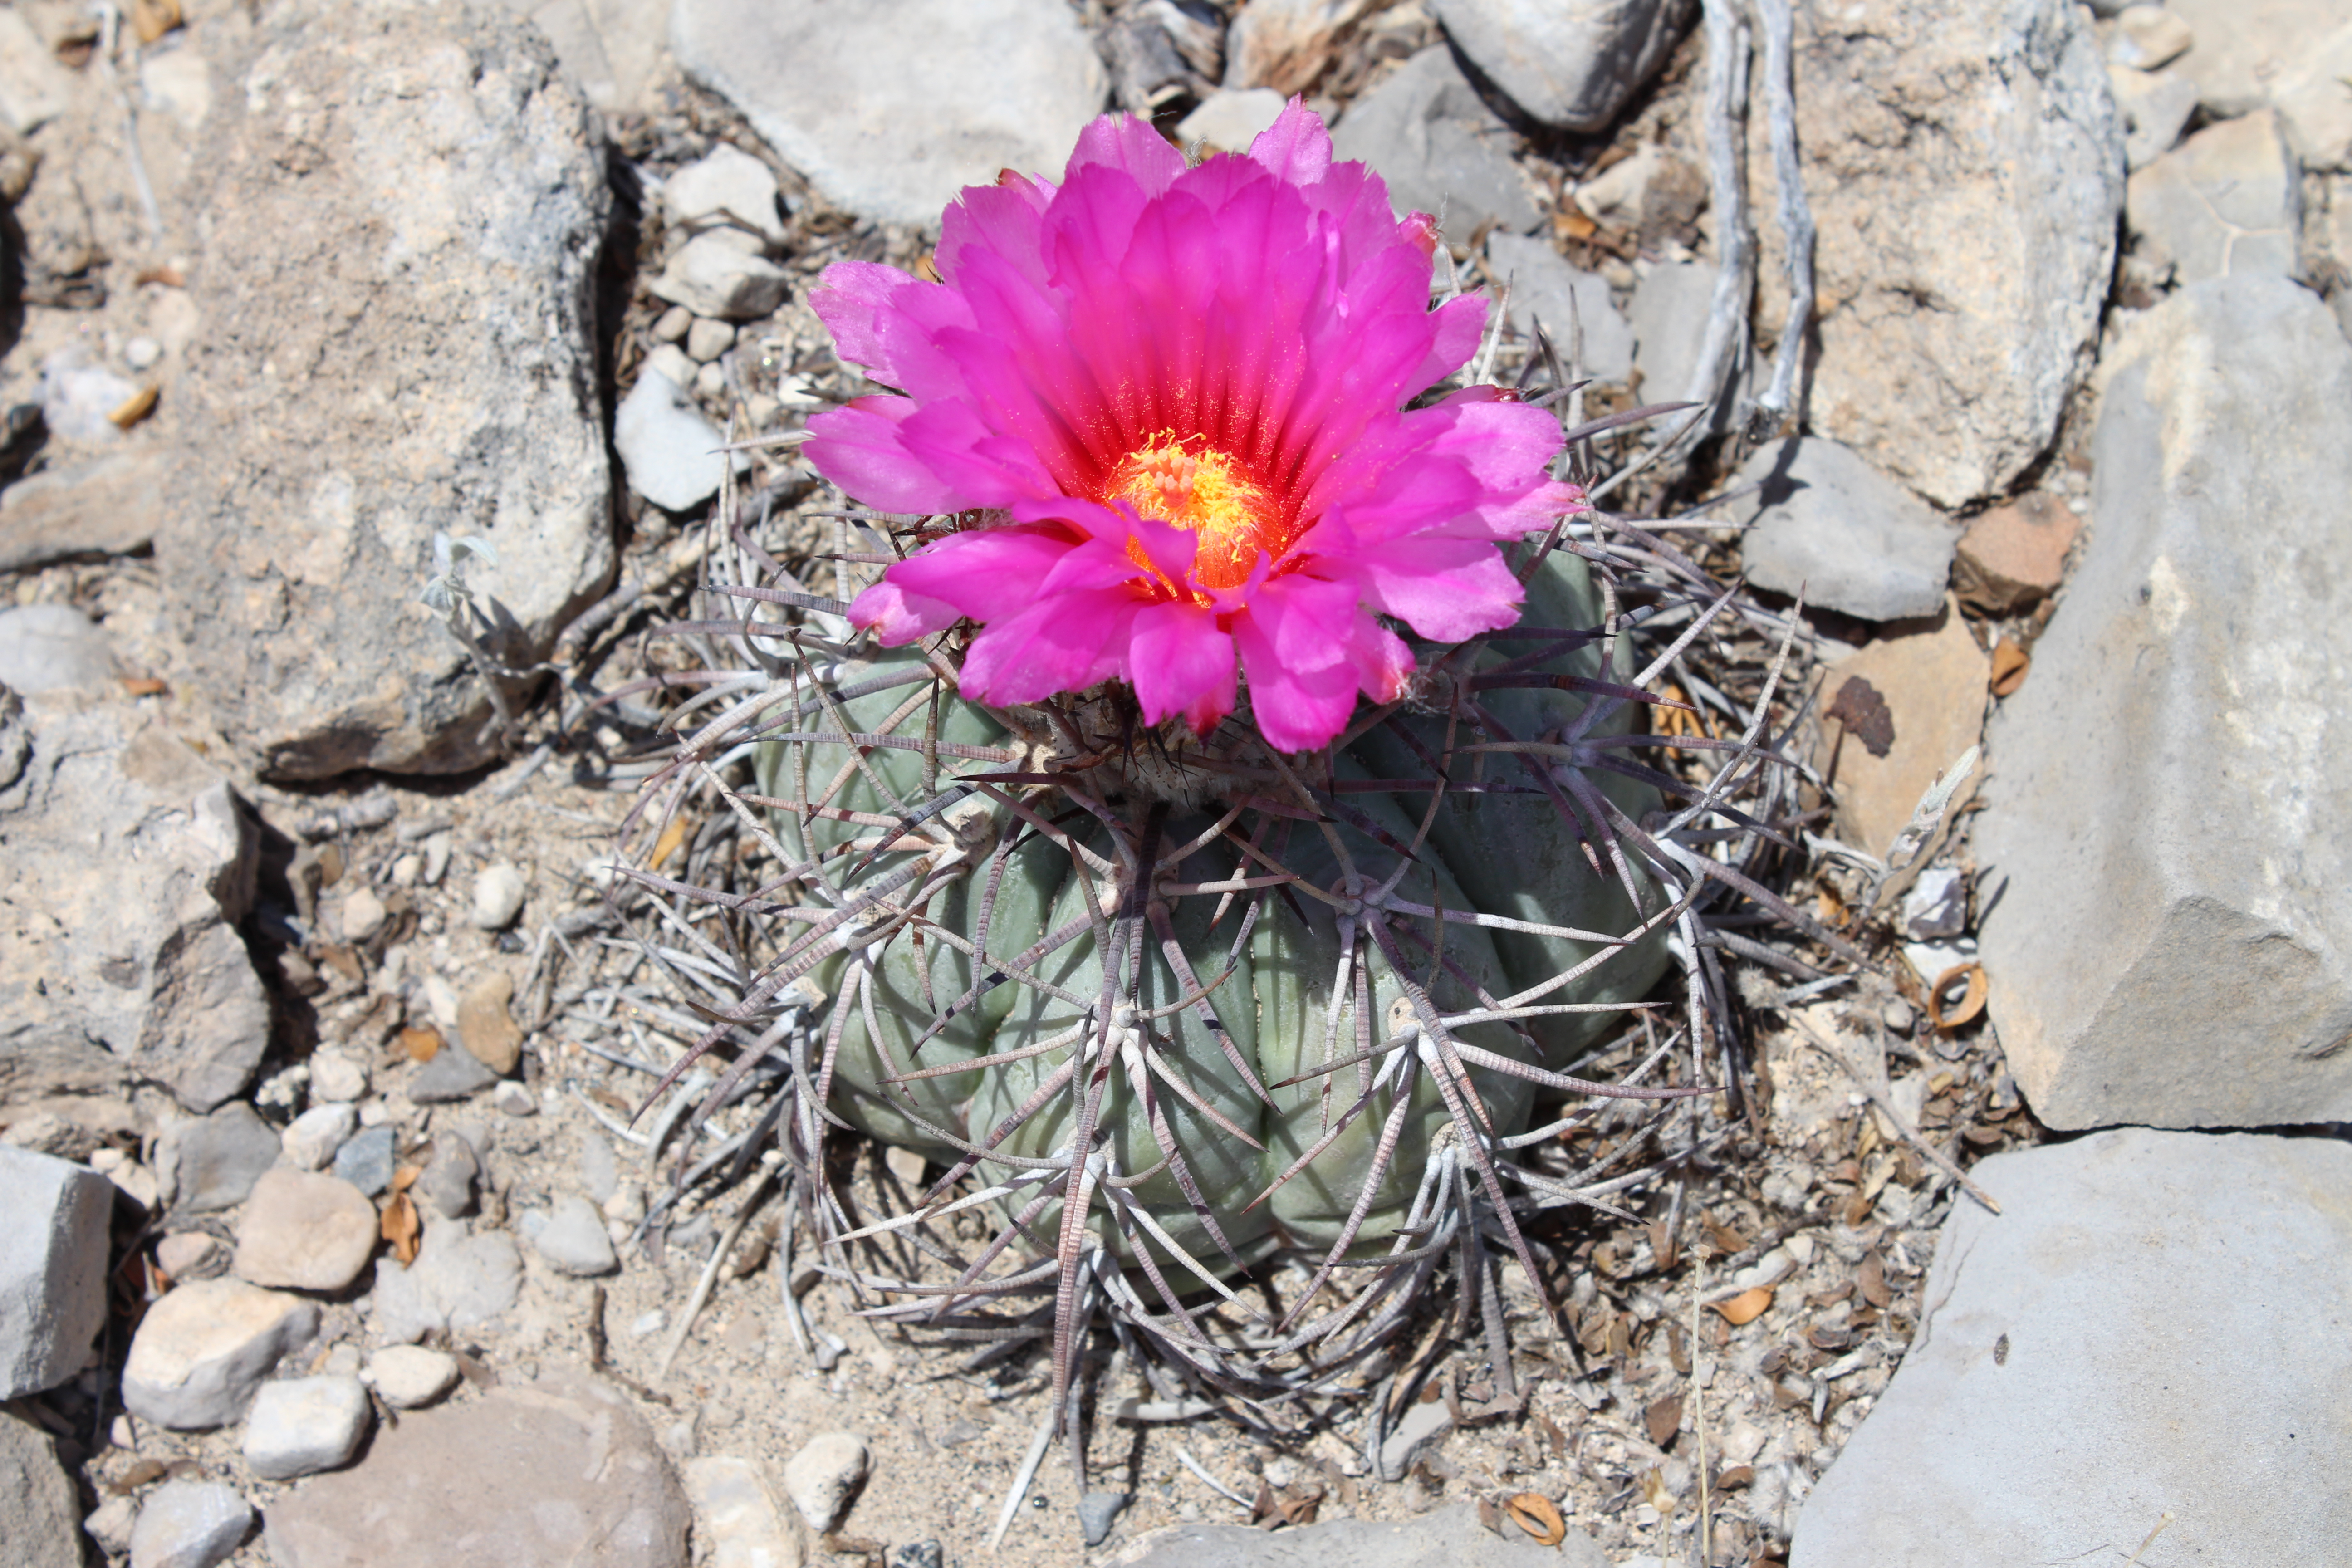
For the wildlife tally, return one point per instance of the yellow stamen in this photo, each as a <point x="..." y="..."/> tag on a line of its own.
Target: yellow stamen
<point x="1200" y="489"/>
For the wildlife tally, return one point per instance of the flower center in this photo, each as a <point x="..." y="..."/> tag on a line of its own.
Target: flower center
<point x="1199" y="489"/>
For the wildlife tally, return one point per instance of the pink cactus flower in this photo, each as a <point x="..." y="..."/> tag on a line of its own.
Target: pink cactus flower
<point x="1168" y="405"/>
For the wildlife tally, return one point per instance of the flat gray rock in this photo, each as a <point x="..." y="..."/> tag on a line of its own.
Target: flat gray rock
<point x="879" y="101"/>
<point x="455" y="1073"/>
<point x="2152" y="1329"/>
<point x="189" y="1524"/>
<point x="50" y="647"/>
<point x="217" y="1160"/>
<point x="41" y="1515"/>
<point x="571" y="1236"/>
<point x="1856" y="541"/>
<point x="458" y="1280"/>
<point x="441" y="1487"/>
<point x="406" y="202"/>
<point x="53" y="1253"/>
<point x="2226" y="202"/>
<point x="1449" y="1537"/>
<point x="301" y="1426"/>
<point x="2154" y="106"/>
<point x="1543" y="284"/>
<point x="203" y="1350"/>
<point x="1570" y="63"/>
<point x="1965" y="168"/>
<point x="1428" y="134"/>
<point x="108" y="505"/>
<point x="2165" y="851"/>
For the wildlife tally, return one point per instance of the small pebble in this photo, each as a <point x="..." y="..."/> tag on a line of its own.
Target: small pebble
<point x="337" y="1074"/>
<point x="673" y="324"/>
<point x="627" y="1204"/>
<point x="189" y="1524"/>
<point x="111" y="1525"/>
<point x="919" y="1554"/>
<point x="301" y="1426"/>
<point x="183" y="1252"/>
<point x="447" y="1188"/>
<point x="498" y="897"/>
<point x="407" y="869"/>
<point x="826" y="1476"/>
<point x="706" y="340"/>
<point x="572" y="1238"/>
<point x="302" y="1229"/>
<point x="436" y="859"/>
<point x="313" y="1137"/>
<point x="486" y="1026"/>
<point x="600" y="1170"/>
<point x="364" y="914"/>
<point x="365" y="1159"/>
<point x="710" y="381"/>
<point x="140" y="354"/>
<point x="651" y="1322"/>
<point x="513" y="1099"/>
<point x="1095" y="1511"/>
<point x="410" y="1376"/>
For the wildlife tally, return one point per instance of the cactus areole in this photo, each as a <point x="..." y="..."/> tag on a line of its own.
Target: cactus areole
<point x="1128" y="908"/>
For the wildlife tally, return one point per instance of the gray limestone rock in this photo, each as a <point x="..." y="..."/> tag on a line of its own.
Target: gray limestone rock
<point x="2150" y="1330"/>
<point x="40" y="1517"/>
<point x="1449" y="1537"/>
<point x="2226" y="202"/>
<point x="53" y="1256"/>
<point x="443" y="1481"/>
<point x="2166" y="853"/>
<point x="49" y="647"/>
<point x="2154" y="106"/>
<point x="203" y="1349"/>
<point x="301" y="1426"/>
<point x="189" y="1524"/>
<point x="572" y="1238"/>
<point x="457" y="1280"/>
<point x="1543" y="284"/>
<point x="404" y="204"/>
<point x="2245" y="49"/>
<point x="1570" y="63"/>
<point x="305" y="1230"/>
<point x="1965" y="166"/>
<point x="1854" y="540"/>
<point x="455" y="1073"/>
<point x="1428" y="134"/>
<point x="878" y="102"/>
<point x="215" y="1162"/>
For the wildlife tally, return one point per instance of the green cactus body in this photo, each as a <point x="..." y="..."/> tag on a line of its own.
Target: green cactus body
<point x="1503" y="854"/>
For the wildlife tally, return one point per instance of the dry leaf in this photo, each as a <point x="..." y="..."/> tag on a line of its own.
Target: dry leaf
<point x="1972" y="1000"/>
<point x="405" y="1177"/>
<point x="1871" y="1280"/>
<point x="153" y="18"/>
<point x="1655" y="1492"/>
<point x="421" y="1044"/>
<point x="1735" y="1478"/>
<point x="133" y="408"/>
<point x="666" y="845"/>
<point x="1536" y="1514"/>
<point x="401" y="1227"/>
<point x="1746" y="1307"/>
<point x="1663" y="1419"/>
<point x="143" y="686"/>
<point x="1572" y="224"/>
<point x="169" y="276"/>
<point x="2009" y="663"/>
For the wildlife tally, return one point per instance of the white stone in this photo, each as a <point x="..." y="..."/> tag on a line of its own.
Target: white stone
<point x="361" y="915"/>
<point x="670" y="451"/>
<point x="35" y="88"/>
<point x="2245" y="47"/>
<point x="457" y="1281"/>
<point x="884" y="105"/>
<point x="498" y="897"/>
<point x="189" y="1524"/>
<point x="410" y="1376"/>
<point x="714" y="275"/>
<point x="2154" y="105"/>
<point x="824" y="1478"/>
<point x="301" y="1426"/>
<point x="726" y="185"/>
<point x="1232" y="118"/>
<point x="706" y="340"/>
<point x="1570" y="63"/>
<point x="513" y="1099"/>
<point x="739" y="1515"/>
<point x="305" y="1230"/>
<point x="53" y="1254"/>
<point x="2149" y="1333"/>
<point x="2316" y="105"/>
<point x="312" y="1138"/>
<point x="2165" y="855"/>
<point x="572" y="1238"/>
<point x="337" y="1076"/>
<point x="1420" y="1425"/>
<point x="203" y="1349"/>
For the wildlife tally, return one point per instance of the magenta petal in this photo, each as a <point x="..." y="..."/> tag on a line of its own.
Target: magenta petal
<point x="1297" y="710"/>
<point x="1066" y="643"/>
<point x="859" y="447"/>
<point x="1296" y="148"/>
<point x="899" y="617"/>
<point x="1131" y="145"/>
<point x="1182" y="665"/>
<point x="984" y="572"/>
<point x="1445" y="589"/>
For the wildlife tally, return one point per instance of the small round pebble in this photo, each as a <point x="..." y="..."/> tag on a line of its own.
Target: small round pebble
<point x="189" y="1524"/>
<point x="514" y="1099"/>
<point x="183" y="1252"/>
<point x="301" y="1426"/>
<point x="410" y="1376"/>
<point x="337" y="1076"/>
<point x="824" y="1478"/>
<point x="1095" y="1511"/>
<point x="673" y="324"/>
<point x="365" y="1159"/>
<point x="312" y="1138"/>
<point x="706" y="340"/>
<point x="572" y="1238"/>
<point x="498" y="897"/>
<point x="140" y="354"/>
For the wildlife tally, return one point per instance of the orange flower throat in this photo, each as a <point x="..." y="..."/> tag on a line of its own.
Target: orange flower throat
<point x="1200" y="489"/>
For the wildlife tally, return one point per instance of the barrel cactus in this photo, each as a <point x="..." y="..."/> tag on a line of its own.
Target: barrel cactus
<point x="1221" y="826"/>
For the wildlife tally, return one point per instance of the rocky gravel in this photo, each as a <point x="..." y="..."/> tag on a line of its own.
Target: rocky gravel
<point x="338" y="1228"/>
